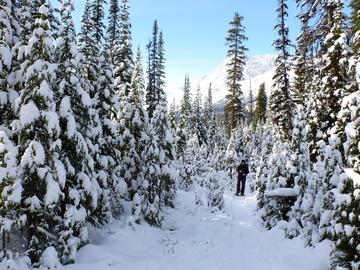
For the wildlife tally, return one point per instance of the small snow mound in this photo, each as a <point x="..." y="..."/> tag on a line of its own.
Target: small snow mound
<point x="49" y="258"/>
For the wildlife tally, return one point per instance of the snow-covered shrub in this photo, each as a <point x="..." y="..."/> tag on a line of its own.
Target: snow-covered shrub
<point x="346" y="252"/>
<point x="215" y="189"/>
<point x="298" y="167"/>
<point x="49" y="259"/>
<point x="264" y="168"/>
<point x="277" y="206"/>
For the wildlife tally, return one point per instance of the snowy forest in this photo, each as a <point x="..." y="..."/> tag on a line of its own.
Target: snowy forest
<point x="88" y="139"/>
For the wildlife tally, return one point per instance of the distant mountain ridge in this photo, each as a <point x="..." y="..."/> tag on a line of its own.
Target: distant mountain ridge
<point x="258" y="69"/>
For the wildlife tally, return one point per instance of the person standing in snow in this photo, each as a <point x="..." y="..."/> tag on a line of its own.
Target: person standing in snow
<point x="243" y="170"/>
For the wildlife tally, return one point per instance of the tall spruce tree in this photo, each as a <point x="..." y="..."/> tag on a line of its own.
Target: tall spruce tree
<point x="97" y="17"/>
<point x="132" y="128"/>
<point x="89" y="50"/>
<point x="91" y="41"/>
<point x="123" y="61"/>
<point x="280" y="101"/>
<point x="352" y="104"/>
<point x="347" y="238"/>
<point x="302" y="64"/>
<point x="153" y="59"/>
<point x="73" y="105"/>
<point x="234" y="108"/>
<point x="113" y="29"/>
<point x="156" y="70"/>
<point x="318" y="14"/>
<point x="160" y="69"/>
<point x="37" y="132"/>
<point x="333" y="78"/>
<point x="10" y="183"/>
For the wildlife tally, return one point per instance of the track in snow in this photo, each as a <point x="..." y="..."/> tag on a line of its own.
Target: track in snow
<point x="200" y="240"/>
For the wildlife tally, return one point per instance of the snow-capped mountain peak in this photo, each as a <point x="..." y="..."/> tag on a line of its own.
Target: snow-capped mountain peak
<point x="258" y="69"/>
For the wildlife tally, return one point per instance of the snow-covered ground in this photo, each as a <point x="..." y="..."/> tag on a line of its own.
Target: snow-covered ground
<point x="197" y="239"/>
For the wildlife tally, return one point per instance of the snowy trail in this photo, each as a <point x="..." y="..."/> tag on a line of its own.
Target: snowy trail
<point x="200" y="240"/>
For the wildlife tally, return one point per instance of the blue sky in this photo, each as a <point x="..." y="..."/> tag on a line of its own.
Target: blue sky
<point x="195" y="30"/>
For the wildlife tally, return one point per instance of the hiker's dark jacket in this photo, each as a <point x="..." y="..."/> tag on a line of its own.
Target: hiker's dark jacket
<point x="243" y="170"/>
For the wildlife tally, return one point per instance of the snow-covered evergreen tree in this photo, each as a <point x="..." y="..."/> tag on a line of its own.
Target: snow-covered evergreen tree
<point x="346" y="253"/>
<point x="198" y="118"/>
<point x="37" y="132"/>
<point x="9" y="38"/>
<point x="280" y="101"/>
<point x="172" y="116"/>
<point x="73" y="106"/>
<point x="113" y="29"/>
<point x="333" y="80"/>
<point x="96" y="82"/>
<point x="299" y="169"/>
<point x="166" y="146"/>
<point x="10" y="198"/>
<point x="234" y="108"/>
<point x="160" y="70"/>
<point x="156" y="70"/>
<point x="318" y="203"/>
<point x="279" y="191"/>
<point x="261" y="106"/>
<point x="109" y="159"/>
<point x="151" y="198"/>
<point x="123" y="60"/>
<point x="185" y="122"/>
<point x="209" y="107"/>
<point x="132" y="129"/>
<point x="187" y="164"/>
<point x="302" y="65"/>
<point x="264" y="169"/>
<point x="348" y="122"/>
<point x="215" y="190"/>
